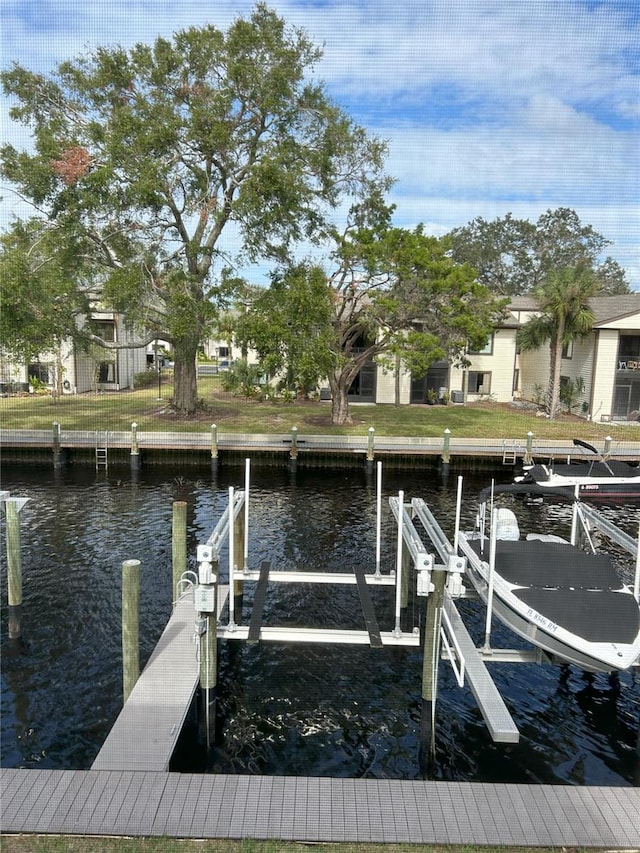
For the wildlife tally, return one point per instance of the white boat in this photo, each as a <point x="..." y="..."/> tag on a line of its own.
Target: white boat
<point x="596" y="479"/>
<point x="569" y="603"/>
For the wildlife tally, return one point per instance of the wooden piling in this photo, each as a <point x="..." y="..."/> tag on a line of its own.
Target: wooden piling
<point x="214" y="449"/>
<point x="528" y="454"/>
<point x="130" y="625"/>
<point x="58" y="459"/>
<point x="293" y="451"/>
<point x="370" y="448"/>
<point x="446" y="456"/>
<point x="134" y="456"/>
<point x="178" y="544"/>
<point x="14" y="568"/>
<point x="430" y="662"/>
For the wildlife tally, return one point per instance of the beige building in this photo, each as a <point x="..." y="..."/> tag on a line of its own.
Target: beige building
<point x="99" y="369"/>
<point x="607" y="361"/>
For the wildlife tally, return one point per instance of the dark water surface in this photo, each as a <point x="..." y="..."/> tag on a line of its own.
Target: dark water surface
<point x="329" y="710"/>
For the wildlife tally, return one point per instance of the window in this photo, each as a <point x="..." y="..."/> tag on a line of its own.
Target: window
<point x="40" y="372"/>
<point x="106" y="372"/>
<point x="487" y="349"/>
<point x="105" y="329"/>
<point x="567" y="350"/>
<point x="479" y="382"/>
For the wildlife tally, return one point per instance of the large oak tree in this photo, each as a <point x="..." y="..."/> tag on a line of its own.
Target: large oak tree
<point x="165" y="164"/>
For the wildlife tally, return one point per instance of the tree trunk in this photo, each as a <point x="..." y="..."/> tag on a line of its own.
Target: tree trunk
<point x="185" y="390"/>
<point x="396" y="378"/>
<point x="339" y="401"/>
<point x="553" y="403"/>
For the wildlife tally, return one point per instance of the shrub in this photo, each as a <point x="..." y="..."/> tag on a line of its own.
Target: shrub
<point x="146" y="379"/>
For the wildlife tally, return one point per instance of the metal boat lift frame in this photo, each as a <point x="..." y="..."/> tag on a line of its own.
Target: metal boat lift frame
<point x="453" y="642"/>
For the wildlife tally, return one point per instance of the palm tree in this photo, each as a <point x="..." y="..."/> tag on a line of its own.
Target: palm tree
<point x="565" y="315"/>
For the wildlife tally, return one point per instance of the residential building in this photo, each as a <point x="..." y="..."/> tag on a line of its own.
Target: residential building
<point x="98" y="369"/>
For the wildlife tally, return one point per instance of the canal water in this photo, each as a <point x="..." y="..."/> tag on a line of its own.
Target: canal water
<point x="313" y="710"/>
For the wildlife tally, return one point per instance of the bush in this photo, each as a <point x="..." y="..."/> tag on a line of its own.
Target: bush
<point x="147" y="379"/>
<point x="243" y="379"/>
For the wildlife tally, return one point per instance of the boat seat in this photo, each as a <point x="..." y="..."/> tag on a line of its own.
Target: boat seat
<point x="506" y="525"/>
<point x="550" y="565"/>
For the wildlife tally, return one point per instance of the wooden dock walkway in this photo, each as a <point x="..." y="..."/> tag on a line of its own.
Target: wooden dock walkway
<point x="139" y="803"/>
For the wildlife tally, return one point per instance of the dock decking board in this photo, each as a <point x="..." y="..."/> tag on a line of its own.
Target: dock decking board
<point x="141" y="803"/>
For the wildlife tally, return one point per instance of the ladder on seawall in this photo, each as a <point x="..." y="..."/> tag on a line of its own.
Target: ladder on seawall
<point x="509" y="451"/>
<point x="102" y="449"/>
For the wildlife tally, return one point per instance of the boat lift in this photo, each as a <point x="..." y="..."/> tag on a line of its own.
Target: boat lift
<point x="444" y="636"/>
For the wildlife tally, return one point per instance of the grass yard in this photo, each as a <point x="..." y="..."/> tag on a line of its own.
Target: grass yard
<point x="117" y="410"/>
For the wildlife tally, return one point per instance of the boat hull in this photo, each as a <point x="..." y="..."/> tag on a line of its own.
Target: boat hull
<point x="592" y="483"/>
<point x="540" y="629"/>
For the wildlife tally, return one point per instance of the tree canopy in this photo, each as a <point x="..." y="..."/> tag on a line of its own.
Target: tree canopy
<point x="515" y="256"/>
<point x="388" y="294"/>
<point x="164" y="165"/>
<point x="44" y="296"/>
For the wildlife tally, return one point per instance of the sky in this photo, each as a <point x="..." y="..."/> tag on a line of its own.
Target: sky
<point x="489" y="107"/>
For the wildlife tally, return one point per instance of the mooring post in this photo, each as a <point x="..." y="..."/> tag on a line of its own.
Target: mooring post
<point x="214" y="448"/>
<point x="178" y="544"/>
<point x="135" y="451"/>
<point x="130" y="626"/>
<point x="430" y="661"/>
<point x="57" y="450"/>
<point x="528" y="454"/>
<point x="12" y="507"/>
<point x="293" y="452"/>
<point x="370" y="453"/>
<point x="445" y="450"/>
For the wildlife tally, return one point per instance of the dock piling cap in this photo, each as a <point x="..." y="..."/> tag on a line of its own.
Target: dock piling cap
<point x="18" y="502"/>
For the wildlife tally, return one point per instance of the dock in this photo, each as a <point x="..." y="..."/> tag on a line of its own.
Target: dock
<point x="304" y="809"/>
<point x="146" y="731"/>
<point x="145" y="734"/>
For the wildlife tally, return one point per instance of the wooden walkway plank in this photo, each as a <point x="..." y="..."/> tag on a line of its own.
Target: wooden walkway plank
<point x="51" y="801"/>
<point x="22" y="793"/>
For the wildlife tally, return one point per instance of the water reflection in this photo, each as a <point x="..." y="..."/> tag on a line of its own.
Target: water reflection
<point x="309" y="710"/>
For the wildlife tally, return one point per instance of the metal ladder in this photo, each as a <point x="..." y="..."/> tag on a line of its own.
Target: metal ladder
<point x="509" y="450"/>
<point x="102" y="448"/>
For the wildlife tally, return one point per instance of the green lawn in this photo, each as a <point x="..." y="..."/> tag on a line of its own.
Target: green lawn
<point x="117" y="410"/>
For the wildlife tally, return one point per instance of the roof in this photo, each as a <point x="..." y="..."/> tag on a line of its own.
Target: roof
<point x="605" y="308"/>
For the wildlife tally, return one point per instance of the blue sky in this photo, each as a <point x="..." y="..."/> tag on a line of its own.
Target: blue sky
<point x="488" y="106"/>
